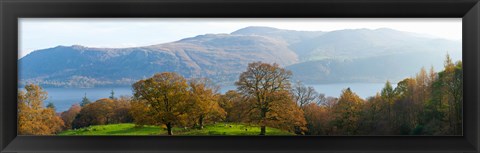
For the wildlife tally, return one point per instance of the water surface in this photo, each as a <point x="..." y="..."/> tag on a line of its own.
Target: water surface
<point x="63" y="98"/>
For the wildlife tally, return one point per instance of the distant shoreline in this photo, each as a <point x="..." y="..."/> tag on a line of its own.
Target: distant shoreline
<point x="63" y="98"/>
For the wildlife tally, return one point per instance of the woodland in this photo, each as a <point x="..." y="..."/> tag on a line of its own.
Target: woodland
<point x="266" y="102"/>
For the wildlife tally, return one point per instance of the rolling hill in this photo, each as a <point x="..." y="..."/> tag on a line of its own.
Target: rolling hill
<point x="351" y="55"/>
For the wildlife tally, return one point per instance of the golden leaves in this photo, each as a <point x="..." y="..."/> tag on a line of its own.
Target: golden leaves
<point x="33" y="117"/>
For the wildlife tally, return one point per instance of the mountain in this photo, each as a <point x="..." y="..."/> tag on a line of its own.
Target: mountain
<point x="219" y="57"/>
<point x="289" y="36"/>
<point x="375" y="69"/>
<point x="351" y="55"/>
<point x="360" y="43"/>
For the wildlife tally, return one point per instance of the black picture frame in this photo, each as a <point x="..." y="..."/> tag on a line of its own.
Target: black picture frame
<point x="11" y="10"/>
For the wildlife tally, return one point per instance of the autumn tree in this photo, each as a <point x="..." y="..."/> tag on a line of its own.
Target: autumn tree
<point x="443" y="114"/>
<point x="429" y="103"/>
<point x="121" y="110"/>
<point x="347" y="112"/>
<point x="405" y="108"/>
<point x="235" y="106"/>
<point x="318" y="119"/>
<point x="142" y="113"/>
<point x="69" y="115"/>
<point x="33" y="117"/>
<point x="284" y="114"/>
<point x="452" y="84"/>
<point x="265" y="86"/>
<point x="423" y="86"/>
<point x="96" y="113"/>
<point x="204" y="100"/>
<point x="166" y="97"/>
<point x="104" y="111"/>
<point x="373" y="119"/>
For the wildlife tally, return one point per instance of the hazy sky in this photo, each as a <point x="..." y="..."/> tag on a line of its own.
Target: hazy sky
<point x="41" y="33"/>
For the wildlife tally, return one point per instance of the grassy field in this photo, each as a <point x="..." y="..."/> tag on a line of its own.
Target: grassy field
<point x="213" y="129"/>
<point x="115" y="129"/>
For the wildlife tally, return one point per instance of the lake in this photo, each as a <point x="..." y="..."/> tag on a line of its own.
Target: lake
<point x="63" y="98"/>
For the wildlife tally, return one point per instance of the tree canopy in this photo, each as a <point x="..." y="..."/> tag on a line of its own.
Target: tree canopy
<point x="164" y="98"/>
<point x="267" y="87"/>
<point x="33" y="117"/>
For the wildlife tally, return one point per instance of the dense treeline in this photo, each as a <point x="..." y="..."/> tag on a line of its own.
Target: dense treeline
<point x="429" y="103"/>
<point x="103" y="111"/>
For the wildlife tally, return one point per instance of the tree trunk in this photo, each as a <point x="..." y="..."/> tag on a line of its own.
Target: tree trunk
<point x="262" y="126"/>
<point x="169" y="128"/>
<point x="262" y="130"/>
<point x="200" y="122"/>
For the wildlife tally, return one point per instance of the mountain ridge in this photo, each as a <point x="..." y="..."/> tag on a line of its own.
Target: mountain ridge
<point x="222" y="57"/>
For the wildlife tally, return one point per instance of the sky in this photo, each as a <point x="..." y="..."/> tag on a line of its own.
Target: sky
<point x="42" y="33"/>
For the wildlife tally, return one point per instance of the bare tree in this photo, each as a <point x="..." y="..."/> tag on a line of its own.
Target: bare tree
<point x="304" y="95"/>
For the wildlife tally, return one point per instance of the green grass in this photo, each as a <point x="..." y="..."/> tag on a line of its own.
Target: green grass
<point x="233" y="129"/>
<point x="116" y="129"/>
<point x="213" y="129"/>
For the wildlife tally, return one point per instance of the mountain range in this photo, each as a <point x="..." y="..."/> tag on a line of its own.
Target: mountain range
<point x="314" y="57"/>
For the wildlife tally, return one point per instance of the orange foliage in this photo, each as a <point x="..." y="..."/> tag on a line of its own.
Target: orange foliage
<point x="33" y="117"/>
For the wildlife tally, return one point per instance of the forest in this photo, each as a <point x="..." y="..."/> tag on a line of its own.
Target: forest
<point x="429" y="103"/>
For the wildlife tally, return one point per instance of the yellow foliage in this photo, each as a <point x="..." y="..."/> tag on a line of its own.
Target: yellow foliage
<point x="33" y="117"/>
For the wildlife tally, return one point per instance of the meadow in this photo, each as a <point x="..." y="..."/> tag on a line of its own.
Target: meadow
<point x="212" y="129"/>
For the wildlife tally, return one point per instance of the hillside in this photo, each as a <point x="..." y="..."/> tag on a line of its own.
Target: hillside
<point x="313" y="56"/>
<point x="362" y="43"/>
<point x="219" y="57"/>
<point x="374" y="69"/>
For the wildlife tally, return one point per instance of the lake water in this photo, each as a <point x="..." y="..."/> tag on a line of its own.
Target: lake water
<point x="63" y="98"/>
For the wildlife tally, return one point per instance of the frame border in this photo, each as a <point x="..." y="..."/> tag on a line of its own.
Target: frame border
<point x="11" y="10"/>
